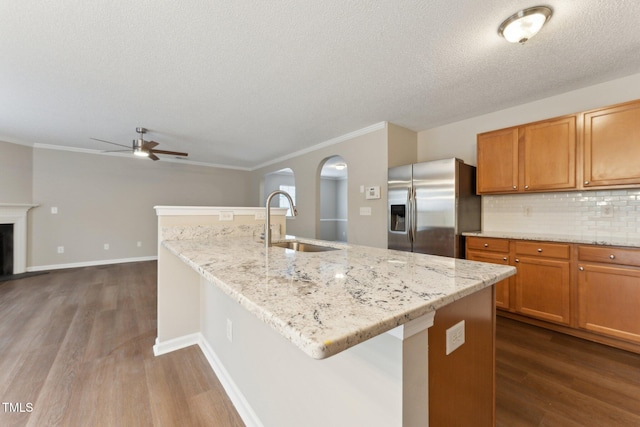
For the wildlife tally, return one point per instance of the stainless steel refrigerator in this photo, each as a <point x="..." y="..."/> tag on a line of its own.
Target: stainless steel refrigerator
<point x="430" y="205"/>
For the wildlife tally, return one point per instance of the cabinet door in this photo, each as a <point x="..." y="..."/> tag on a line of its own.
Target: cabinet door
<point x="612" y="146"/>
<point x="609" y="301"/>
<point x="502" y="287"/>
<point x="549" y="155"/>
<point x="543" y="289"/>
<point x="498" y="161"/>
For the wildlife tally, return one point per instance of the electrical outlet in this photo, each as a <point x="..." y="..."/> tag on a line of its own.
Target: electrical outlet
<point x="527" y="211"/>
<point x="229" y="330"/>
<point x="455" y="337"/>
<point x="60" y="249"/>
<point x="226" y="216"/>
<point x="106" y="246"/>
<point x="606" y="211"/>
<point x="139" y="244"/>
<point x="54" y="210"/>
<point x="260" y="215"/>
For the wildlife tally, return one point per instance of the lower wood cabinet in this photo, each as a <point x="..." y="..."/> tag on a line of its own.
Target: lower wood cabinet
<point x="502" y="287"/>
<point x="590" y="291"/>
<point x="542" y="284"/>
<point x="543" y="289"/>
<point x="609" y="293"/>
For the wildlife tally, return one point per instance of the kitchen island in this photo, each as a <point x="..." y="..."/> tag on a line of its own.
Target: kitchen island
<point x="265" y="318"/>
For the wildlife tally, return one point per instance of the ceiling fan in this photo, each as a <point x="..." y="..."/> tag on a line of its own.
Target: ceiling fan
<point x="143" y="148"/>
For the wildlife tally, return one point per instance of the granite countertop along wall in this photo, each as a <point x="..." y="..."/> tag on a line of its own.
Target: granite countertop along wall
<point x="326" y="302"/>
<point x="561" y="238"/>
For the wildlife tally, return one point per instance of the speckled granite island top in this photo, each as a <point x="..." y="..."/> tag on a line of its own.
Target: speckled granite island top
<point x="326" y="302"/>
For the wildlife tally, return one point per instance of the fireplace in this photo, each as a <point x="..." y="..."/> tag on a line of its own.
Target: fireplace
<point x="14" y="215"/>
<point x="6" y="249"/>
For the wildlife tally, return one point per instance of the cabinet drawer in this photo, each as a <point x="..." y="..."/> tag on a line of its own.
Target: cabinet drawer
<point x="609" y="255"/>
<point x="547" y="250"/>
<point x="488" y="244"/>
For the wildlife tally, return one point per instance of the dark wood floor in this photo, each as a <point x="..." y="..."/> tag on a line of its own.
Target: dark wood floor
<point x="545" y="378"/>
<point x="76" y="345"/>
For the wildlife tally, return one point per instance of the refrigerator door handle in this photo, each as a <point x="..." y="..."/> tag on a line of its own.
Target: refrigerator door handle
<point x="411" y="215"/>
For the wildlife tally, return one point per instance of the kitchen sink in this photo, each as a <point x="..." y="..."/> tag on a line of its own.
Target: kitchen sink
<point x="304" y="247"/>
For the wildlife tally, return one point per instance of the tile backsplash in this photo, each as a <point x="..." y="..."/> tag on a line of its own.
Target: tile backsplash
<point x="599" y="215"/>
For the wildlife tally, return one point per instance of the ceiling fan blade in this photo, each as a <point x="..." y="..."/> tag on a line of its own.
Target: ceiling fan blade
<point x="153" y="157"/>
<point x="109" y="142"/>
<point x="149" y="145"/>
<point x="173" y="153"/>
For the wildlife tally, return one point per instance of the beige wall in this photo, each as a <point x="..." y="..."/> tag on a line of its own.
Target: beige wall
<point x="459" y="139"/>
<point x="367" y="163"/>
<point x="402" y="146"/>
<point x="16" y="173"/>
<point x="108" y="199"/>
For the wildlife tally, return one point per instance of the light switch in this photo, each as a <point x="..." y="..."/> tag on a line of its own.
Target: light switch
<point x="365" y="210"/>
<point x="54" y="210"/>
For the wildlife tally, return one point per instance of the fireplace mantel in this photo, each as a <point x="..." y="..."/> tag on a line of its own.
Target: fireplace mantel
<point x="16" y="214"/>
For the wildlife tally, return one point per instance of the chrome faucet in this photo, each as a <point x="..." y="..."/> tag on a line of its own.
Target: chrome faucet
<point x="267" y="225"/>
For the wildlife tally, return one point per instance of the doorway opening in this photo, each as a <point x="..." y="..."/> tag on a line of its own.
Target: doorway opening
<point x="333" y="199"/>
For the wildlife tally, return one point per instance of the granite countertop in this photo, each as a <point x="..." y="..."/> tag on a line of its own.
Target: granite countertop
<point x="326" y="302"/>
<point x="585" y="240"/>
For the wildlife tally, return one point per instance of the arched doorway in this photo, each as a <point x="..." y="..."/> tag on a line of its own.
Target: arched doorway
<point x="333" y="199"/>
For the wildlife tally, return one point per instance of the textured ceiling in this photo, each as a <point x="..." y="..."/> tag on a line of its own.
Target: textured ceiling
<point x="243" y="82"/>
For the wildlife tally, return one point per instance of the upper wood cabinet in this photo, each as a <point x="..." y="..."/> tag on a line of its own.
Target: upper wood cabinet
<point x="497" y="170"/>
<point x="539" y="156"/>
<point x="612" y="146"/>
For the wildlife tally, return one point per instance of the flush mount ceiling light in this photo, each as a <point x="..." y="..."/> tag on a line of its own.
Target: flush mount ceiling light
<point x="524" y="24"/>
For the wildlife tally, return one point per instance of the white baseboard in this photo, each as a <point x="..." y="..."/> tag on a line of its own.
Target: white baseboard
<point x="176" y="344"/>
<point x="90" y="263"/>
<point x="241" y="404"/>
<point x="235" y="395"/>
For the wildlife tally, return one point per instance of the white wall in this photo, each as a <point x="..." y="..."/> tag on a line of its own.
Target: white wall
<point x="459" y="139"/>
<point x="108" y="199"/>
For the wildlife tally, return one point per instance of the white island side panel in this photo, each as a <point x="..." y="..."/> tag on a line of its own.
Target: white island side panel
<point x="285" y="387"/>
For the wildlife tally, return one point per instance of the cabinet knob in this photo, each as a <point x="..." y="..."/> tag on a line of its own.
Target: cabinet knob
<point x="504" y="259"/>
<point x="517" y="260"/>
<point x="526" y="187"/>
<point x="581" y="268"/>
<point x="586" y="183"/>
<point x="515" y="187"/>
<point x="539" y="249"/>
<point x="486" y="245"/>
<point x="612" y="256"/>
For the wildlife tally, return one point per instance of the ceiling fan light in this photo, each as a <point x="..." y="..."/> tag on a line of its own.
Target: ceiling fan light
<point x="140" y="152"/>
<point x="524" y="24"/>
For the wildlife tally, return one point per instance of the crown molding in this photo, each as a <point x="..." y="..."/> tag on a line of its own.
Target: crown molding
<point x="328" y="143"/>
